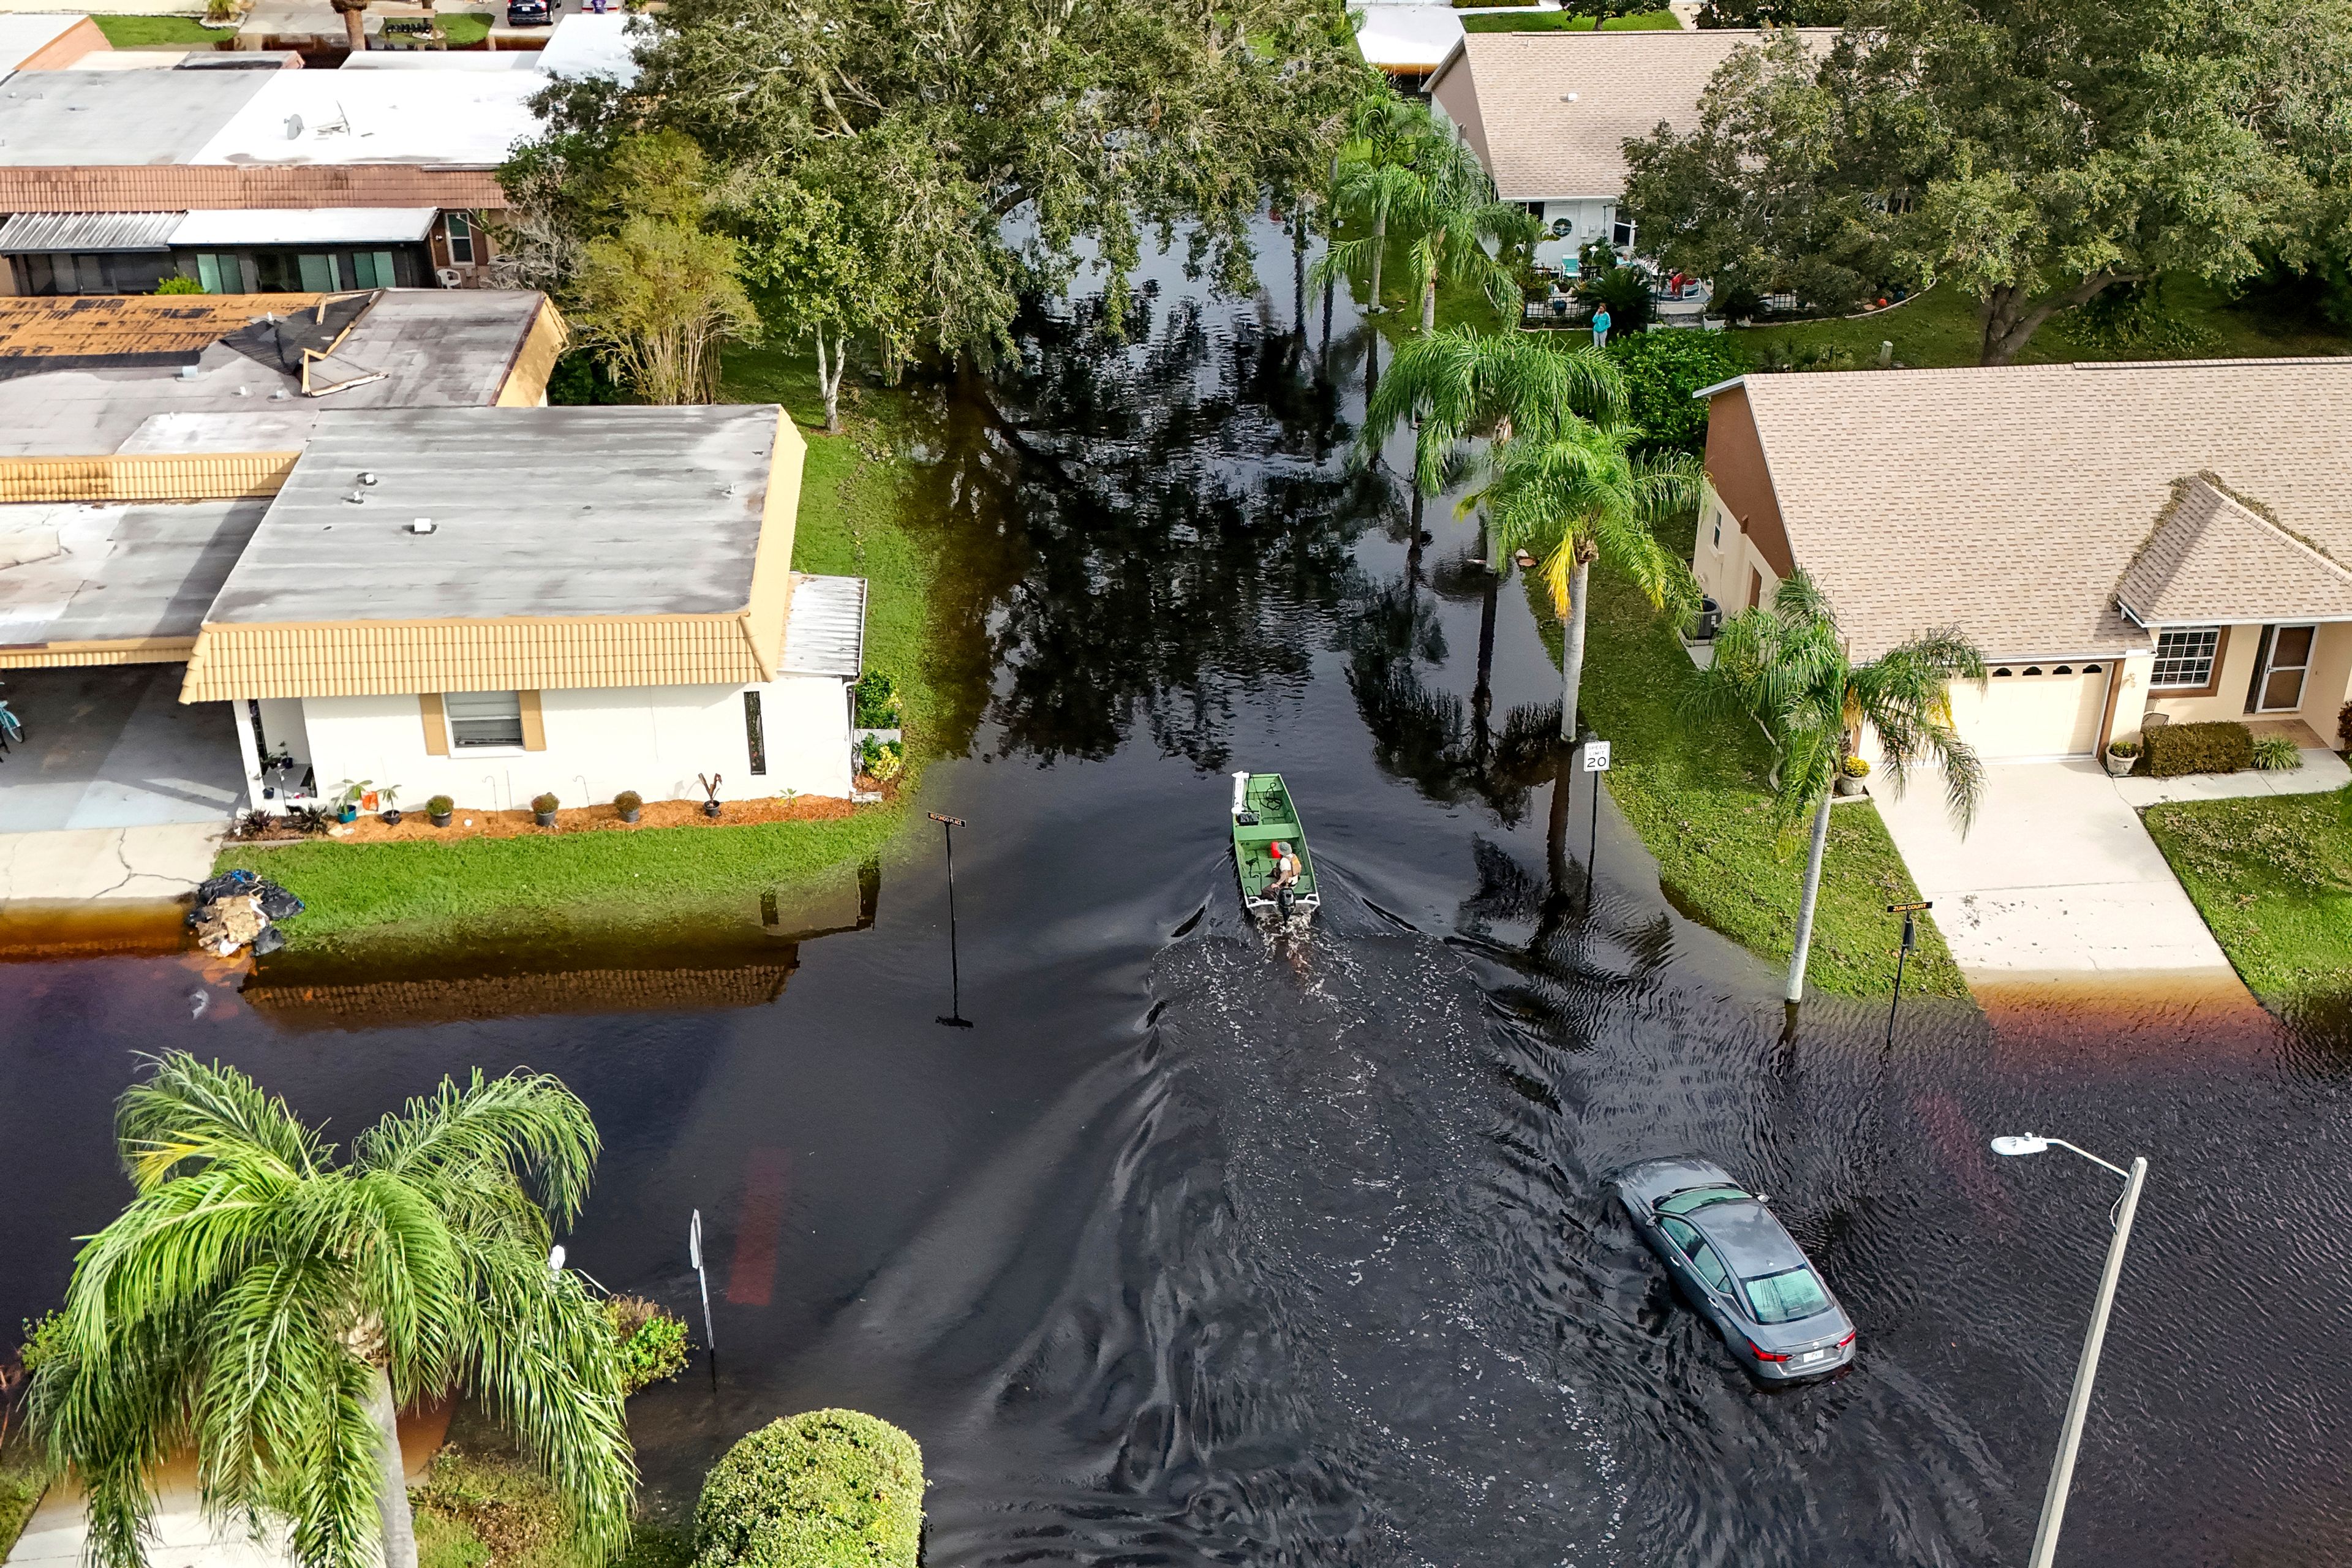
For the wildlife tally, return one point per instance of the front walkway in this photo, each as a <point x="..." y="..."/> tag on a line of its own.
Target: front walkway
<point x="2058" y="878"/>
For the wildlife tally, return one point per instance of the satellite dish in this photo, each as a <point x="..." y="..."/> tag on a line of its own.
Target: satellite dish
<point x="293" y="126"/>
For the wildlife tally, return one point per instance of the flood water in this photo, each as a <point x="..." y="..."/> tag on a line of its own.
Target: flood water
<point x="1200" y="1246"/>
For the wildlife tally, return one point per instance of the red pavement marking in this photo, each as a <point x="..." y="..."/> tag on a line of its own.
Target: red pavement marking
<point x="767" y="1177"/>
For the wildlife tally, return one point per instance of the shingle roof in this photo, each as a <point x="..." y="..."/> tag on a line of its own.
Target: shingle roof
<point x="2010" y="501"/>
<point x="1538" y="146"/>
<point x="2210" y="556"/>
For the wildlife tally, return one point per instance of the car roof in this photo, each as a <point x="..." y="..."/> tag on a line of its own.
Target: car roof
<point x="1749" y="1237"/>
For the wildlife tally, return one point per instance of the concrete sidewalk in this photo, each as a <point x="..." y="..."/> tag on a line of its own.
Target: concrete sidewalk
<point x="2059" y="879"/>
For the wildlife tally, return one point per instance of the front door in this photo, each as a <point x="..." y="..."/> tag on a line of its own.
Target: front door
<point x="2285" y="660"/>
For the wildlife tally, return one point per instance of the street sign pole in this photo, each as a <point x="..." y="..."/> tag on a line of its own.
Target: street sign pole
<point x="694" y="1252"/>
<point x="1910" y="913"/>
<point x="1596" y="762"/>
<point x="954" y="1018"/>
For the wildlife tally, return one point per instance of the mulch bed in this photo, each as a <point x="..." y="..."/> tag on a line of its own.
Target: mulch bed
<point x="413" y="824"/>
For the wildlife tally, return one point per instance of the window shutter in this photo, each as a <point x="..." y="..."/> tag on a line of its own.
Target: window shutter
<point x="534" y="732"/>
<point x="436" y="731"/>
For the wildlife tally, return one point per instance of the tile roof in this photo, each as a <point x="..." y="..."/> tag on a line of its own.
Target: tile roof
<point x="2010" y="501"/>
<point x="1538" y="146"/>
<point x="2210" y="556"/>
<point x="183" y="187"/>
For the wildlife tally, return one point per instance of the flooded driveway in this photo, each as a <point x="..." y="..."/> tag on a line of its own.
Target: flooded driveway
<point x="1204" y="1248"/>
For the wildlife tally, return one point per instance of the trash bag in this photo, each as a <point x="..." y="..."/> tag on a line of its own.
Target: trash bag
<point x="277" y="902"/>
<point x="270" y="939"/>
<point x="227" y="885"/>
<point x="226" y="924"/>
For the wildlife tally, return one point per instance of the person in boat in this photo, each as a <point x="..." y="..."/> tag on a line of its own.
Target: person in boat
<point x="1286" y="870"/>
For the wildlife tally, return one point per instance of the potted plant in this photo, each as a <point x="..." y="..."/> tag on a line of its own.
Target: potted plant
<point x="711" y="788"/>
<point x="542" y="809"/>
<point x="347" y="795"/>
<point x="390" y="797"/>
<point x="628" y="803"/>
<point x="2122" y="757"/>
<point x="1850" y="775"/>
<point x="438" y="808"/>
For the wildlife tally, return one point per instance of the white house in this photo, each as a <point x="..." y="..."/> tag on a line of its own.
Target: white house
<point x="493" y="602"/>
<point x="1550" y="113"/>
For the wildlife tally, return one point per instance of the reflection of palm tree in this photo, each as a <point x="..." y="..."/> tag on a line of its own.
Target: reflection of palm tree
<point x="1787" y="667"/>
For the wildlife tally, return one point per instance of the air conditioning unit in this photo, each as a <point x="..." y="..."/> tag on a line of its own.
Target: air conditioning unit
<point x="448" y="277"/>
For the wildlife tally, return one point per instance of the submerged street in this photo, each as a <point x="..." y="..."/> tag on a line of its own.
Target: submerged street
<point x="1203" y="1246"/>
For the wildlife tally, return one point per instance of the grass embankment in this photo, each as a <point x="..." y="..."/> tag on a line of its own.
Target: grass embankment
<point x="1561" y="22"/>
<point x="1939" y="329"/>
<point x="2272" y="877"/>
<point x="462" y="29"/>
<point x="20" y="1487"/>
<point x="132" y="32"/>
<point x="1693" y="788"/>
<point x="852" y="522"/>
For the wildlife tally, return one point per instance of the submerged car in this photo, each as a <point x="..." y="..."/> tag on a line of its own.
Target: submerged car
<point x="1734" y="1261"/>
<point x="529" y="13"/>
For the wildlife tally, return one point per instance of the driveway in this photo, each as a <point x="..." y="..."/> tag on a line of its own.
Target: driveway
<point x="2058" y="878"/>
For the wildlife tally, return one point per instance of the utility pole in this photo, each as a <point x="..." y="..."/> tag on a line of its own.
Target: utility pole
<point x="1910" y="945"/>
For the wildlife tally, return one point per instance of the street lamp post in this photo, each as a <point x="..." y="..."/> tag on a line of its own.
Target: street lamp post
<point x="2078" y="1406"/>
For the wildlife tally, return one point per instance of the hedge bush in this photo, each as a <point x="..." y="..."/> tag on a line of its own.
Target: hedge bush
<point x="831" y="1489"/>
<point x="1662" y="369"/>
<point x="2224" y="746"/>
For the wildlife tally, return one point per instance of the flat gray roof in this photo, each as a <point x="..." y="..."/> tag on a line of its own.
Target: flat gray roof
<point x="536" y="511"/>
<point x="56" y="118"/>
<point x="74" y="573"/>
<point x="438" y="348"/>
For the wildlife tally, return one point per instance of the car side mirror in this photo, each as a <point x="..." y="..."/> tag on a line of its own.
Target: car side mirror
<point x="1763" y="1197"/>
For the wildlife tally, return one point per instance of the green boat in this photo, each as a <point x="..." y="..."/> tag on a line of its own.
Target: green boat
<point x="1264" y="815"/>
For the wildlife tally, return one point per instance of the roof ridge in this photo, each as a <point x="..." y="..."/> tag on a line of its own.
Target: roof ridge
<point x="2261" y="513"/>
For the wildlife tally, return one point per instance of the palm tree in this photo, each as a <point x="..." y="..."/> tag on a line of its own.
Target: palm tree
<point x="1573" y="496"/>
<point x="1788" y="668"/>
<point x="1373" y="194"/>
<point x="272" y="1307"/>
<point x="354" y="15"/>
<point x="1458" y="384"/>
<point x="1455" y="221"/>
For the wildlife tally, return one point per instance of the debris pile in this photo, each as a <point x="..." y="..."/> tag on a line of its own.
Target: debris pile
<point x="237" y="910"/>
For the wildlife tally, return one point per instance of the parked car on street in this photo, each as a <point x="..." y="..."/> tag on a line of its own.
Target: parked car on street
<point x="1733" y="1259"/>
<point x="529" y="13"/>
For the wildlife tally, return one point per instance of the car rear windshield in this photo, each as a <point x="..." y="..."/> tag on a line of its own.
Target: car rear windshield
<point x="1697" y="1198"/>
<point x="1785" y="1297"/>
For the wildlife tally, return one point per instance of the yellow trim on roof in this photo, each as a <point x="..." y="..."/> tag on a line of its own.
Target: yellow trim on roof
<point x="158" y="477"/>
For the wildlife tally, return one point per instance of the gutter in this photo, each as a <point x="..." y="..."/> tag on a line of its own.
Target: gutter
<point x="1720" y="387"/>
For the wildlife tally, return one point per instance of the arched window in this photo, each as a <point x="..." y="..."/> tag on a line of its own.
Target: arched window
<point x="2064" y="669"/>
<point x="2004" y="669"/>
<point x="2032" y="669"/>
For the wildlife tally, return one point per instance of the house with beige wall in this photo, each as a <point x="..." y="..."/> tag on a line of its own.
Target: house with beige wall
<point x="2121" y="540"/>
<point x="1550" y="113"/>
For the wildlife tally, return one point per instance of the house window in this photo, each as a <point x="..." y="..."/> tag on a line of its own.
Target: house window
<point x="2184" y="658"/>
<point x="373" y="270"/>
<point x="459" y="230"/>
<point x="218" y="272"/>
<point x="755" y="731"/>
<point x="1621" y="235"/>
<point x="1718" y="531"/>
<point x="484" y="717"/>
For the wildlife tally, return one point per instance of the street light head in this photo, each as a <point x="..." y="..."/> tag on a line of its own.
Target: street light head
<point x="2031" y="1143"/>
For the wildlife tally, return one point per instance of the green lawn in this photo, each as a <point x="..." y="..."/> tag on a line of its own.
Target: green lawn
<point x="1694" y="789"/>
<point x="1939" y="329"/>
<point x="481" y="1506"/>
<point x="129" y="32"/>
<point x="2272" y="877"/>
<point x="851" y="522"/>
<point x="1561" y="22"/>
<point x="462" y="28"/>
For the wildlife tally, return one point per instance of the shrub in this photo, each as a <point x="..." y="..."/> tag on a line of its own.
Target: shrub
<point x="544" y="803"/>
<point x="628" y="800"/>
<point x="2224" y="746"/>
<point x="2344" y="725"/>
<point x="178" y="286"/>
<point x="878" y="701"/>
<point x="813" y="1492"/>
<point x="440" y="805"/>
<point x="2277" y="754"/>
<point x="652" y="1340"/>
<point x="1662" y="369"/>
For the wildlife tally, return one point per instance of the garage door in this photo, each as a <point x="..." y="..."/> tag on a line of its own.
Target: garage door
<point x="2031" y="710"/>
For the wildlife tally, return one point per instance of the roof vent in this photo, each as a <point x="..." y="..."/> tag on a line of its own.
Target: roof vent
<point x="355" y="497"/>
<point x="189" y="372"/>
<point x="421" y="525"/>
<point x="1568" y="98"/>
<point x="366" y="478"/>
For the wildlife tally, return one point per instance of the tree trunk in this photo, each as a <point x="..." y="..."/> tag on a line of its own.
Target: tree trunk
<point x="1298" y="271"/>
<point x="1805" y="905"/>
<point x="1380" y="253"/>
<point x="392" y="1477"/>
<point x="828" y="381"/>
<point x="355" y="30"/>
<point x="1482" y="695"/>
<point x="1572" y="653"/>
<point x="2010" y="325"/>
<point x="1429" y="302"/>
